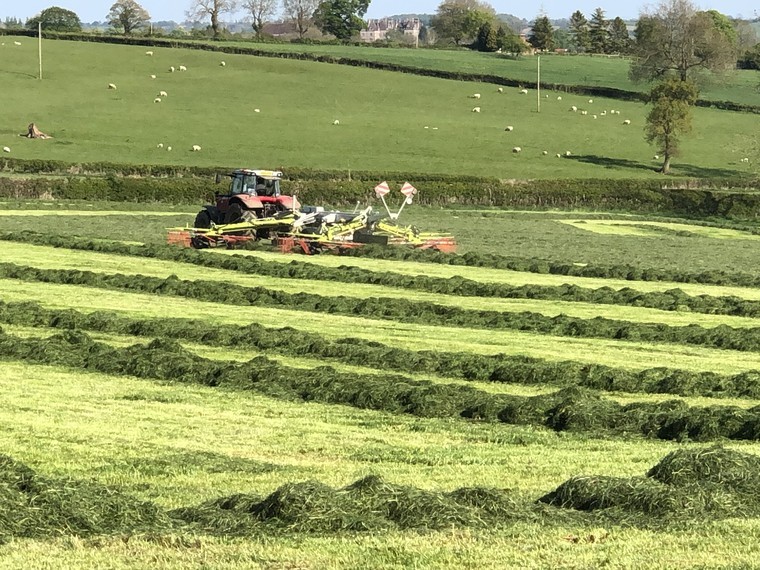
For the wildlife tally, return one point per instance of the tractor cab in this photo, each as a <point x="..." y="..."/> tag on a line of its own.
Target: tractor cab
<point x="255" y="182"/>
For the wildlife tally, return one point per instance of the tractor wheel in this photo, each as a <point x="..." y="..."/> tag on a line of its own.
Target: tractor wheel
<point x="234" y="214"/>
<point x="202" y="220"/>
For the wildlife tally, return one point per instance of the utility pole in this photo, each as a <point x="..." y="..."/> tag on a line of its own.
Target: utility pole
<point x="39" y="45"/>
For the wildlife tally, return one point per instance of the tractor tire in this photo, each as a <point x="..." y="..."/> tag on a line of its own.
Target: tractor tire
<point x="202" y="220"/>
<point x="234" y="214"/>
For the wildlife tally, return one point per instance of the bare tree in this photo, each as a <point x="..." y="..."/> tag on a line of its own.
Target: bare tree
<point x="260" y="11"/>
<point x="128" y="15"/>
<point x="301" y="13"/>
<point x="202" y="9"/>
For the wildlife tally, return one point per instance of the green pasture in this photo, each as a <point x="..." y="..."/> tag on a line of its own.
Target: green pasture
<point x="382" y="118"/>
<point x="739" y="86"/>
<point x="179" y="444"/>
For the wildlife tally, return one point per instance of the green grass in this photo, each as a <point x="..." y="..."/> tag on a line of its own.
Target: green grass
<point x="213" y="107"/>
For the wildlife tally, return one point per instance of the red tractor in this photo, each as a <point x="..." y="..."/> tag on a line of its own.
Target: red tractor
<point x="252" y="194"/>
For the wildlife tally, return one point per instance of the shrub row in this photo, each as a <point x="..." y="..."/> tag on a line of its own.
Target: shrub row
<point x="399" y="310"/>
<point x="569" y="409"/>
<point x="671" y="300"/>
<point x="336" y="189"/>
<point x="596" y="91"/>
<point x="373" y="354"/>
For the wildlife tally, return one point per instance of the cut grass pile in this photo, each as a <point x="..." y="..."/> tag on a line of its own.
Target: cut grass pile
<point x="656" y="229"/>
<point x="688" y="483"/>
<point x="570" y="409"/>
<point x="360" y="352"/>
<point x="35" y="506"/>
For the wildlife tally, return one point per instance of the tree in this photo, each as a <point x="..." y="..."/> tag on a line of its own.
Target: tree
<point x="488" y="39"/>
<point x="670" y="116"/>
<point x="509" y="42"/>
<point x="11" y="23"/>
<point x="56" y="19"/>
<point x="579" y="30"/>
<point x="341" y="18"/>
<point x="300" y="12"/>
<point x="598" y="32"/>
<point x="675" y="39"/>
<point x="202" y="9"/>
<point x="542" y="34"/>
<point x="620" y="39"/>
<point x="459" y="20"/>
<point x="260" y="11"/>
<point x="127" y="15"/>
<point x="561" y="38"/>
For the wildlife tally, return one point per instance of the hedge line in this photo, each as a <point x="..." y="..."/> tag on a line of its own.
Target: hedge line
<point x="373" y="354"/>
<point x="596" y="91"/>
<point x="628" y="195"/>
<point x="671" y="300"/>
<point x="399" y="310"/>
<point x="569" y="409"/>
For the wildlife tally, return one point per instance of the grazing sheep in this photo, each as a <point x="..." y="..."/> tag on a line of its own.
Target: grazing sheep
<point x="545" y="152"/>
<point x="162" y="94"/>
<point x="573" y="108"/>
<point x="425" y="127"/>
<point x="111" y="86"/>
<point x="257" y="110"/>
<point x="17" y="43"/>
<point x="475" y="96"/>
<point x="524" y="91"/>
<point x="160" y="145"/>
<point x="745" y="159"/>
<point x="593" y="116"/>
<point x="500" y="90"/>
<point x="152" y="76"/>
<point x="435" y="128"/>
<point x="584" y="112"/>
<point x="559" y="97"/>
<point x="516" y="149"/>
<point x="148" y="53"/>
<point x="171" y="69"/>
<point x="590" y="101"/>
<point x="559" y="155"/>
<point x="182" y="68"/>
<point x="476" y="109"/>
<point x="509" y="128"/>
<point x="222" y="63"/>
<point x="168" y="148"/>
<point x="603" y="113"/>
<point x="656" y="157"/>
<point x="627" y="122"/>
<point x="157" y="100"/>
<point x="6" y="149"/>
<point x="336" y="122"/>
<point x="196" y="148"/>
<point x="567" y="153"/>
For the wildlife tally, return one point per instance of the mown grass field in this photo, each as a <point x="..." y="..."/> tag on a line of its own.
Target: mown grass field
<point x="161" y="436"/>
<point x="382" y="118"/>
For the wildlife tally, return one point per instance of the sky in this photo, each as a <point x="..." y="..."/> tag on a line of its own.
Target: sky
<point x="96" y="10"/>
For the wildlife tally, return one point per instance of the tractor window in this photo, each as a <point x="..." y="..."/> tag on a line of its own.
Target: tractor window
<point x="267" y="187"/>
<point x="237" y="186"/>
<point x="249" y="184"/>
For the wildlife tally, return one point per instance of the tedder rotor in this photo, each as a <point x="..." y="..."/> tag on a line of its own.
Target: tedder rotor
<point x="254" y="209"/>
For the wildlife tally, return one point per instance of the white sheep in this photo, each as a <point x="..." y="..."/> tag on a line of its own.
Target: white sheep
<point x="111" y="86"/>
<point x="182" y="68"/>
<point x="168" y="148"/>
<point x="476" y="109"/>
<point x="221" y="63"/>
<point x="17" y="43"/>
<point x="545" y="152"/>
<point x="627" y="122"/>
<point x="745" y="159"/>
<point x="336" y="122"/>
<point x="171" y="69"/>
<point x="148" y="53"/>
<point x="160" y="145"/>
<point x="593" y="116"/>
<point x="435" y="128"/>
<point x="516" y="149"/>
<point x="656" y="157"/>
<point x="573" y="108"/>
<point x="559" y="97"/>
<point x="152" y="76"/>
<point x="524" y="91"/>
<point x="584" y="112"/>
<point x="425" y="127"/>
<point x="559" y="155"/>
<point x="567" y="153"/>
<point x="162" y="94"/>
<point x="500" y="90"/>
<point x="590" y="101"/>
<point x="196" y="148"/>
<point x="603" y="113"/>
<point x="257" y="110"/>
<point x="157" y="100"/>
<point x="475" y="96"/>
<point x="6" y="149"/>
<point x="509" y="128"/>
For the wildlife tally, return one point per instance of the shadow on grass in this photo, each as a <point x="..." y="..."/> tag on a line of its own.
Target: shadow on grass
<point x="678" y="170"/>
<point x="20" y="74"/>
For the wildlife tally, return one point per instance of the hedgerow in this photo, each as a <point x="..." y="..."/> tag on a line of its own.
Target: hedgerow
<point x="492" y="368"/>
<point x="569" y="409"/>
<point x="671" y="300"/>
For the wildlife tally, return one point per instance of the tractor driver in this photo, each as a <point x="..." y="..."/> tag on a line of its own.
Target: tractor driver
<point x="265" y="187"/>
